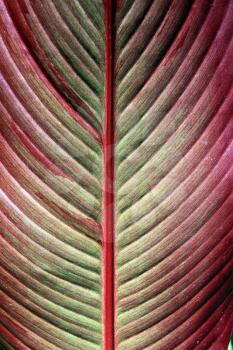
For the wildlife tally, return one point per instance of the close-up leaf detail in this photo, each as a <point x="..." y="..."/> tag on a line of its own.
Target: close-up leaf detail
<point x="116" y="177"/>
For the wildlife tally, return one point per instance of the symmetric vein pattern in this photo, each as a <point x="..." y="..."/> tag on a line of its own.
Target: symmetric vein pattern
<point x="116" y="178"/>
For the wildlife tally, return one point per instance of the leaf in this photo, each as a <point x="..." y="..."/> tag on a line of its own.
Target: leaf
<point x="174" y="176"/>
<point x="116" y="174"/>
<point x="50" y="177"/>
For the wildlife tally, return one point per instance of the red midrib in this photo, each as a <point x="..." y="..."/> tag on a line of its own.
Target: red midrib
<point x="108" y="191"/>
